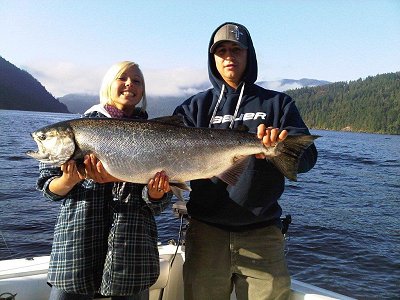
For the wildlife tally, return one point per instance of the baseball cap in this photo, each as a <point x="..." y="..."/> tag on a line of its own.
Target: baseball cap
<point x="230" y="33"/>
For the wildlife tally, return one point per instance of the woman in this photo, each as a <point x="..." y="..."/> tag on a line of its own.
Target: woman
<point x="105" y="238"/>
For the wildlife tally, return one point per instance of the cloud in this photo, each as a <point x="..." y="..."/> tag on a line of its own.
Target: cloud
<point x="175" y="82"/>
<point x="61" y="78"/>
<point x="278" y="85"/>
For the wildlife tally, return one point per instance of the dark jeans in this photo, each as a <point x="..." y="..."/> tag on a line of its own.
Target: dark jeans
<point x="57" y="294"/>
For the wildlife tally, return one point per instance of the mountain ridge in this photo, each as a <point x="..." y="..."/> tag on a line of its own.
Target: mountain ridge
<point x="19" y="90"/>
<point x="164" y="105"/>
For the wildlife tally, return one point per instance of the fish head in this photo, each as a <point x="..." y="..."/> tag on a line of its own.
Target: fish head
<point x="56" y="144"/>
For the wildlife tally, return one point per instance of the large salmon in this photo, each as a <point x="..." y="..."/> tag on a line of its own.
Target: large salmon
<point x="134" y="150"/>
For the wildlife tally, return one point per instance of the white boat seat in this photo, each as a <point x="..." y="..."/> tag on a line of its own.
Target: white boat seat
<point x="28" y="278"/>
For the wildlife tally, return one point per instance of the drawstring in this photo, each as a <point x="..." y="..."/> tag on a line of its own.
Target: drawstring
<point x="216" y="106"/>
<point x="236" y="109"/>
<point x="237" y="106"/>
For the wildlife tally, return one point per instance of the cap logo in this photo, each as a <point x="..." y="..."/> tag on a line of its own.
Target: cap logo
<point x="237" y="33"/>
<point x="231" y="33"/>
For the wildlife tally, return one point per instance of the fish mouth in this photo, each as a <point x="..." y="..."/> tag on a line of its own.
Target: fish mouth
<point x="47" y="158"/>
<point x="43" y="157"/>
<point x="39" y="154"/>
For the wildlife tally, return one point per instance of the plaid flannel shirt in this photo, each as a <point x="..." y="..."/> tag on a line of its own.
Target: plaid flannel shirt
<point x="105" y="237"/>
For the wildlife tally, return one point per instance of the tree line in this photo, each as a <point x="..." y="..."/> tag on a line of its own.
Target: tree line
<point x="365" y="105"/>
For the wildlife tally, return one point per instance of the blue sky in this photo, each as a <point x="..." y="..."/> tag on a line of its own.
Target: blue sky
<point x="69" y="45"/>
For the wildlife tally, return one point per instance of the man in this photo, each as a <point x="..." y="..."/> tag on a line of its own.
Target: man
<point x="234" y="237"/>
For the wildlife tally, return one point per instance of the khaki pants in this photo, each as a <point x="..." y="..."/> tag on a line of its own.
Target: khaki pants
<point x="252" y="262"/>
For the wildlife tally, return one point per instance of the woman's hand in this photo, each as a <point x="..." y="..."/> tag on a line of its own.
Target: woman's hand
<point x="70" y="177"/>
<point x="95" y="170"/>
<point x="158" y="186"/>
<point x="269" y="136"/>
<point x="70" y="174"/>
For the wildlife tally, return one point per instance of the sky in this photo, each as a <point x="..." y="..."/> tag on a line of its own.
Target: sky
<point x="69" y="45"/>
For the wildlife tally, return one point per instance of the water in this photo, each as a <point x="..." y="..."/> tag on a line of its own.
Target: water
<point x="345" y="234"/>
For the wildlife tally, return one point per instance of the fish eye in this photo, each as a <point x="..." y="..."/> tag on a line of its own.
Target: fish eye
<point x="41" y="136"/>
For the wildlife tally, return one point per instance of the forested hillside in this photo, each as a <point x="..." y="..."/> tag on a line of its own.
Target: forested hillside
<point x="366" y="105"/>
<point x="19" y="90"/>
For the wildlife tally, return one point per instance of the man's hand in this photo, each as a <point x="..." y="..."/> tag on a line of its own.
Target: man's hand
<point x="269" y="136"/>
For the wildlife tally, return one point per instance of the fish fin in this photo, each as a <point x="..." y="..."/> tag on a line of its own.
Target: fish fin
<point x="181" y="185"/>
<point x="177" y="189"/>
<point x="291" y="149"/>
<point x="231" y="175"/>
<point x="171" y="120"/>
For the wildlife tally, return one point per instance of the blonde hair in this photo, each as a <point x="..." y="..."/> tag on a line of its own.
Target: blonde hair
<point x="113" y="73"/>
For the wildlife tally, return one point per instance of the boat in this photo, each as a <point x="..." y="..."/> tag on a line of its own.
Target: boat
<point x="26" y="278"/>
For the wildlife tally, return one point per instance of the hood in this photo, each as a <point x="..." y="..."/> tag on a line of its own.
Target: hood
<point x="250" y="74"/>
<point x="98" y="108"/>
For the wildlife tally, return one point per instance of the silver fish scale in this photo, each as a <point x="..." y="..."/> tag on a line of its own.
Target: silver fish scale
<point x="134" y="151"/>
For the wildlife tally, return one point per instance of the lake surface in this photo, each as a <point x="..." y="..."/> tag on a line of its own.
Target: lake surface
<point x="345" y="232"/>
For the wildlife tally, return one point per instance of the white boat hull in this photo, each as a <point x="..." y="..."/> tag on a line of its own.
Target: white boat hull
<point x="27" y="279"/>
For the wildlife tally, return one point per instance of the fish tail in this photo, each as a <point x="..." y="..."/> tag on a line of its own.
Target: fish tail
<point x="290" y="151"/>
